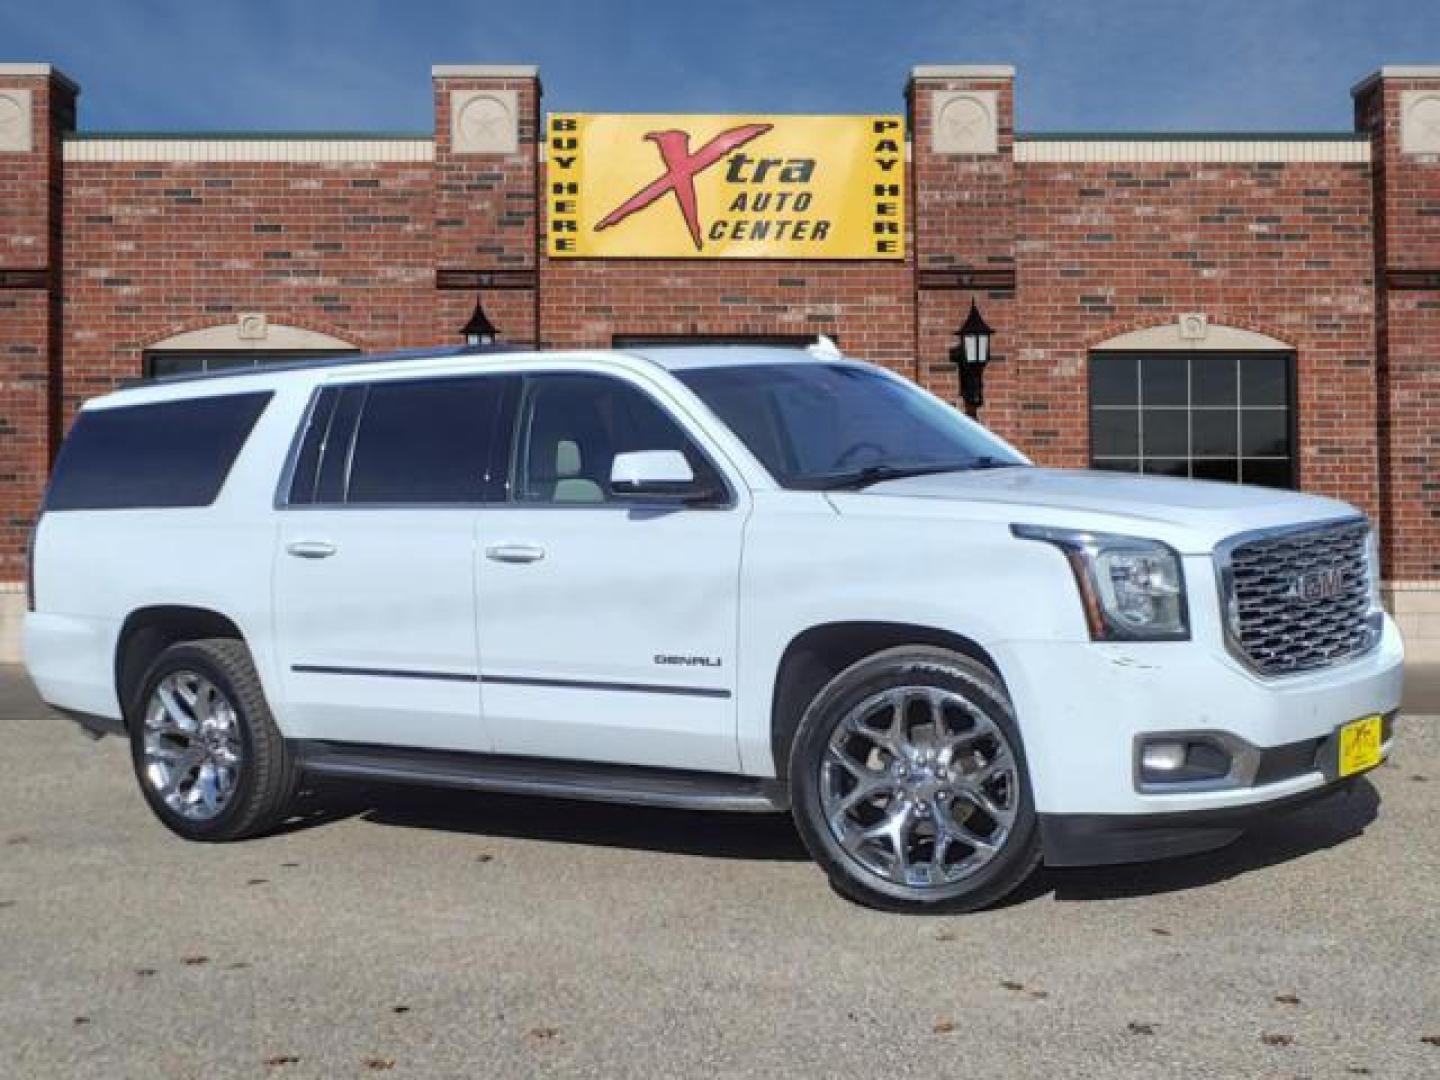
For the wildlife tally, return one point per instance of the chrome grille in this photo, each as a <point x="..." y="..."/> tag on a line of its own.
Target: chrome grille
<point x="1298" y="599"/>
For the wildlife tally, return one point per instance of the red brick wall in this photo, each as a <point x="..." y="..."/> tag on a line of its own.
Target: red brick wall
<point x="865" y="306"/>
<point x="1060" y="256"/>
<point x="1407" y="211"/>
<point x="30" y="259"/>
<point x="1282" y="249"/>
<point x="158" y="248"/>
<point x="964" y="224"/>
<point x="486" y="210"/>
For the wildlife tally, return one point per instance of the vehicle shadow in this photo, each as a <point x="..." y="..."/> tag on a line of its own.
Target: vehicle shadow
<point x="1287" y="836"/>
<point x="678" y="832"/>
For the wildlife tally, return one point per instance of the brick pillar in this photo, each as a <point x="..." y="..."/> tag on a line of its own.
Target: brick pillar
<point x="37" y="106"/>
<point x="486" y="204"/>
<point x="963" y="187"/>
<point x="1400" y="108"/>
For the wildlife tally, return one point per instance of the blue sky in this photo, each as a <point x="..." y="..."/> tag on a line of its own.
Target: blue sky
<point x="364" y="64"/>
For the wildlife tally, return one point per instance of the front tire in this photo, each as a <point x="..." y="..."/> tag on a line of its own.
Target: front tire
<point x="909" y="786"/>
<point x="211" y="763"/>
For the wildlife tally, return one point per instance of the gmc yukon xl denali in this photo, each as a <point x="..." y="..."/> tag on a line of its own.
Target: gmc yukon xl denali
<point x="728" y="578"/>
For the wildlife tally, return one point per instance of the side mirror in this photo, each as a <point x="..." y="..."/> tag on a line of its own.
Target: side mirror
<point x="654" y="474"/>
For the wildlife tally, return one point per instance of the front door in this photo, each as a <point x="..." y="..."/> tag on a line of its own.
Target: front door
<point x="374" y="585"/>
<point x="607" y="626"/>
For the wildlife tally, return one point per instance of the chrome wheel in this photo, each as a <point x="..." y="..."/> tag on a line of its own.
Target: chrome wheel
<point x="192" y="746"/>
<point x="919" y="786"/>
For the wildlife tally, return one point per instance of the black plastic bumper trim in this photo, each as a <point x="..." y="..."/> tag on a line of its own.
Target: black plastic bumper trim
<point x="1103" y="839"/>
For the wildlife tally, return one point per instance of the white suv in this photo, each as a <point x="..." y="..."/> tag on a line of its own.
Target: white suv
<point x="726" y="578"/>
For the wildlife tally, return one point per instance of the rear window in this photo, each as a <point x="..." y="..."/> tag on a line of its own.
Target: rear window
<point x="413" y="441"/>
<point x="169" y="454"/>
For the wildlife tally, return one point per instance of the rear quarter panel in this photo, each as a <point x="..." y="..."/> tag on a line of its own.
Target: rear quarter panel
<point x="93" y="568"/>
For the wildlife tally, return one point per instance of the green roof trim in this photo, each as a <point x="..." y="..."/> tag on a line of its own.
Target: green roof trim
<point x="251" y="136"/>
<point x="1191" y="136"/>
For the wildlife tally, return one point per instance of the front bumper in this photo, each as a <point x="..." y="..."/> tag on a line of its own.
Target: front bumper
<point x="1083" y="708"/>
<point x="1101" y="839"/>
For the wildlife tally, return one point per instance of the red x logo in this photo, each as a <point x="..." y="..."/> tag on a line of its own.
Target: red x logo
<point x="681" y="168"/>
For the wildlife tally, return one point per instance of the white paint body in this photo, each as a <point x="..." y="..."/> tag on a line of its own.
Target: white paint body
<point x="688" y="599"/>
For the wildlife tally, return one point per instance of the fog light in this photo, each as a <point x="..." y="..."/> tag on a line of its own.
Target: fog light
<point x="1162" y="757"/>
<point x="1171" y="760"/>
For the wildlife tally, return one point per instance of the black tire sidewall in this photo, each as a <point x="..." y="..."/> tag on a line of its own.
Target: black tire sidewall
<point x="202" y="661"/>
<point x="909" y="667"/>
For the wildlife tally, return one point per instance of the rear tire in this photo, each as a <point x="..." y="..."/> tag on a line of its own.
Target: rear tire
<point x="909" y="785"/>
<point x="210" y="761"/>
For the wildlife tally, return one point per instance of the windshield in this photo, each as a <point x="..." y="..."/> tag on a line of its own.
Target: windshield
<point x="819" y="426"/>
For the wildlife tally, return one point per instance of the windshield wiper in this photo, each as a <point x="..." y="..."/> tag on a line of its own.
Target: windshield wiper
<point x="875" y="474"/>
<point x="988" y="462"/>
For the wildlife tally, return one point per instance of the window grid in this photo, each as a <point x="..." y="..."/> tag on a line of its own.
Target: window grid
<point x="1143" y="455"/>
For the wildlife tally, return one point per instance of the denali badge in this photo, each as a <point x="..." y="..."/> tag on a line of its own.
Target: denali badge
<point x="1317" y="585"/>
<point x="688" y="661"/>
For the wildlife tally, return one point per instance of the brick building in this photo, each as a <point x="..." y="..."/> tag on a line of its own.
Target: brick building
<point x="1261" y="308"/>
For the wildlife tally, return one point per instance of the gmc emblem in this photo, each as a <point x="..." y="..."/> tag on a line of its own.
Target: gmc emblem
<point x="1317" y="585"/>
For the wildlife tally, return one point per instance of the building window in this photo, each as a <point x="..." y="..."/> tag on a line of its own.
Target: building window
<point x="161" y="362"/>
<point x="1204" y="415"/>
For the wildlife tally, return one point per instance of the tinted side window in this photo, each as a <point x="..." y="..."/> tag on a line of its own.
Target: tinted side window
<point x="167" y="454"/>
<point x="312" y="446"/>
<point x="574" y="425"/>
<point x="426" y="441"/>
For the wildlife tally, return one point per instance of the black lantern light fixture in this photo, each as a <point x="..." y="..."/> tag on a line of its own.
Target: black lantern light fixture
<point x="970" y="354"/>
<point x="479" y="330"/>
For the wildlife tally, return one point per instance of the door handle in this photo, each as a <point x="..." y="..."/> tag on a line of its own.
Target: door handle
<point x="515" y="553"/>
<point x="311" y="549"/>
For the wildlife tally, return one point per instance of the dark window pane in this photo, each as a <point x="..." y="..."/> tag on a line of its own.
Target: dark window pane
<point x="169" y="454"/>
<point x="171" y="364"/>
<point x="1131" y="465"/>
<point x="1211" y="469"/>
<point x="1214" y="432"/>
<point x="1115" y="433"/>
<point x="1166" y="467"/>
<point x="307" y="461"/>
<point x="1166" y="433"/>
<point x="335" y="450"/>
<point x="1265" y="380"/>
<point x="574" y="425"/>
<point x="1163" y="380"/>
<point x="1265" y="433"/>
<point x="225" y="361"/>
<point x="1279" y="474"/>
<point x="1213" y="381"/>
<point x="1114" y="379"/>
<point x="425" y="441"/>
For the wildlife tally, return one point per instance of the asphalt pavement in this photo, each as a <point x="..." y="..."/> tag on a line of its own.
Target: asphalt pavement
<point x="411" y="933"/>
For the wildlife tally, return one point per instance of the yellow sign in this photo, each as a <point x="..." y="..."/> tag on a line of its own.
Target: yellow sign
<point x="726" y="187"/>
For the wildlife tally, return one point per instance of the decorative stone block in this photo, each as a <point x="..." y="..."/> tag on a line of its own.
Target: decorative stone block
<point x="16" y="129"/>
<point x="1194" y="326"/>
<point x="252" y="326"/>
<point x="965" y="122"/>
<point x="484" y="122"/>
<point x="1420" y="122"/>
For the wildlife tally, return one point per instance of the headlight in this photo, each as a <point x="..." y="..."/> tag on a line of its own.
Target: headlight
<point x="1372" y="570"/>
<point x="1132" y="589"/>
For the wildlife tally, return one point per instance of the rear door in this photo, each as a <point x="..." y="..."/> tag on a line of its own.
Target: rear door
<point x="608" y="625"/>
<point x="374" y="585"/>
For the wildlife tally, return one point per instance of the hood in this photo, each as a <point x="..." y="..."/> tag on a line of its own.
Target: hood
<point x="1191" y="515"/>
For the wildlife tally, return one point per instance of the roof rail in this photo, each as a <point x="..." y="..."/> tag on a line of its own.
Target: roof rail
<point x="305" y="364"/>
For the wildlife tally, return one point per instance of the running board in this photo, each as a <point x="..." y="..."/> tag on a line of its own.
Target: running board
<point x="631" y="784"/>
